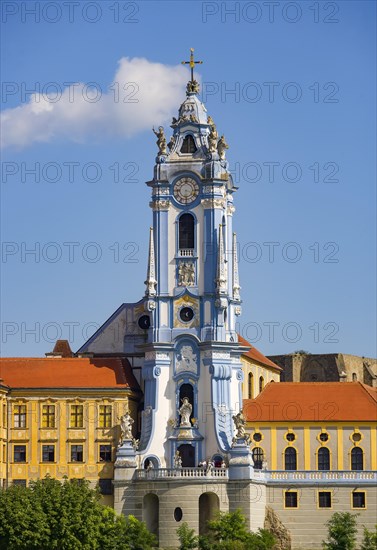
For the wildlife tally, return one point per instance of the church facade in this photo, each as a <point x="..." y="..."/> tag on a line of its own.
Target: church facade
<point x="168" y="406"/>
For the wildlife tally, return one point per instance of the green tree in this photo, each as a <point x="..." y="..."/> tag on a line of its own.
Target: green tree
<point x="187" y="538"/>
<point x="341" y="532"/>
<point x="369" y="539"/>
<point x="23" y="524"/>
<point x="229" y="532"/>
<point x="65" y="516"/>
<point x="137" y="535"/>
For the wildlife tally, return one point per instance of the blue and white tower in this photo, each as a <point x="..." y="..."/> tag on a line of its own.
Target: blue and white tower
<point x="192" y="300"/>
<point x="182" y="344"/>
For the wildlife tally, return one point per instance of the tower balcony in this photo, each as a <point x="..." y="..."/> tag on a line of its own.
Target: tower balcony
<point x="276" y="477"/>
<point x="179" y="474"/>
<point x="186" y="252"/>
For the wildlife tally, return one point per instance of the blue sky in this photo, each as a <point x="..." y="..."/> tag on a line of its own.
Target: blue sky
<point x="300" y="123"/>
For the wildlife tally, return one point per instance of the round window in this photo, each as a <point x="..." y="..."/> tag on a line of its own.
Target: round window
<point x="324" y="437"/>
<point x="290" y="437"/>
<point x="186" y="314"/>
<point x="257" y="437"/>
<point x="144" y="322"/>
<point x="178" y="514"/>
<point x="356" y="437"/>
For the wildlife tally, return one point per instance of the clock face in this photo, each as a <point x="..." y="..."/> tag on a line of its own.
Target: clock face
<point x="186" y="190"/>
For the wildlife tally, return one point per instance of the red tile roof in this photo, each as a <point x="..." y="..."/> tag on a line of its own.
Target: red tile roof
<point x="313" y="401"/>
<point x="257" y="356"/>
<point x="75" y="372"/>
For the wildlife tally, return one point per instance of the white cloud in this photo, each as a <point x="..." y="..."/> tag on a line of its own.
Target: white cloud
<point x="141" y="95"/>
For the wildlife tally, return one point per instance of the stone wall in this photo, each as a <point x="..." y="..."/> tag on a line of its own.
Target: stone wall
<point x="330" y="367"/>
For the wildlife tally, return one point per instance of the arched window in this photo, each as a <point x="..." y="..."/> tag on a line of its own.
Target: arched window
<point x="357" y="459"/>
<point x="258" y="457"/>
<point x="188" y="145"/>
<point x="217" y="460"/>
<point x="290" y="459"/>
<point x="323" y="459"/>
<point x="186" y="232"/>
<point x="250" y="385"/>
<point x="187" y="453"/>
<point x="354" y="377"/>
<point x="261" y="383"/>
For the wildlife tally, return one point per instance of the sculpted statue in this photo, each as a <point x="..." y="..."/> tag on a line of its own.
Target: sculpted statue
<point x="239" y="421"/>
<point x="181" y="274"/>
<point x="171" y="143"/>
<point x="185" y="412"/>
<point x="212" y="139"/>
<point x="187" y="360"/>
<point x="190" y="272"/>
<point x="161" y="140"/>
<point x="126" y="422"/>
<point x="177" y="460"/>
<point x="221" y="147"/>
<point x="186" y="274"/>
<point x="192" y="87"/>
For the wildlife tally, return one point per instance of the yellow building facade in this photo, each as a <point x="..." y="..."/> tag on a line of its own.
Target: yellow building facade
<point x="52" y="425"/>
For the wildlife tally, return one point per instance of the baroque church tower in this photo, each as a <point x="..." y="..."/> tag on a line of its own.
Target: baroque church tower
<point x="182" y="334"/>
<point x="192" y="294"/>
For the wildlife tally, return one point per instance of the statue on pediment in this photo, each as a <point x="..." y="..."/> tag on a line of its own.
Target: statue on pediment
<point x="161" y="140"/>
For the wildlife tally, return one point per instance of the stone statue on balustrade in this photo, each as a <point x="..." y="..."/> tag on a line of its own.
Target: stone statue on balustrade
<point x="126" y="422"/>
<point x="177" y="460"/>
<point x="240" y="423"/>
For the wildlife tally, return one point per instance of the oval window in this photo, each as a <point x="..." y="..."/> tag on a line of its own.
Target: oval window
<point x="186" y="314"/>
<point x="178" y="514"/>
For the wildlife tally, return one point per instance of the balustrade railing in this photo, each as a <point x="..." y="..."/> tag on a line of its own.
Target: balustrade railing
<point x="186" y="252"/>
<point x="276" y="476"/>
<point x="186" y="473"/>
<point x="312" y="475"/>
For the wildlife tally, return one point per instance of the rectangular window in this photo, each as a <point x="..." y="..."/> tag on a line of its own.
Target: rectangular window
<point x="48" y="416"/>
<point x="76" y="453"/>
<point x="19" y="416"/>
<point x="48" y="453"/>
<point x="105" y="416"/>
<point x="77" y="416"/>
<point x="324" y="499"/>
<point x="21" y="482"/>
<point x="105" y="453"/>
<point x="19" y="453"/>
<point x="106" y="486"/>
<point x="291" y="499"/>
<point x="358" y="499"/>
<point x="4" y="416"/>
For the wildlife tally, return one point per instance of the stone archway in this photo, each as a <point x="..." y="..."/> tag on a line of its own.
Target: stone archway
<point x="151" y="509"/>
<point x="209" y="505"/>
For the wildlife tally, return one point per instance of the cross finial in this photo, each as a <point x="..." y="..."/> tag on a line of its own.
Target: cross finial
<point x="192" y="63"/>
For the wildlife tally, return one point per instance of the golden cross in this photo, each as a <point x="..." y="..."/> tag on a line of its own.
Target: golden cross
<point x="192" y="63"/>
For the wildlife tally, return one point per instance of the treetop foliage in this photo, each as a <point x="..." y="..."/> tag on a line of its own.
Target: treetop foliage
<point x="65" y="516"/>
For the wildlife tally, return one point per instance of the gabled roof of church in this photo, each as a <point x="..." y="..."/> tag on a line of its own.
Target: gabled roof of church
<point x="257" y="356"/>
<point x="313" y="401"/>
<point x="73" y="372"/>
